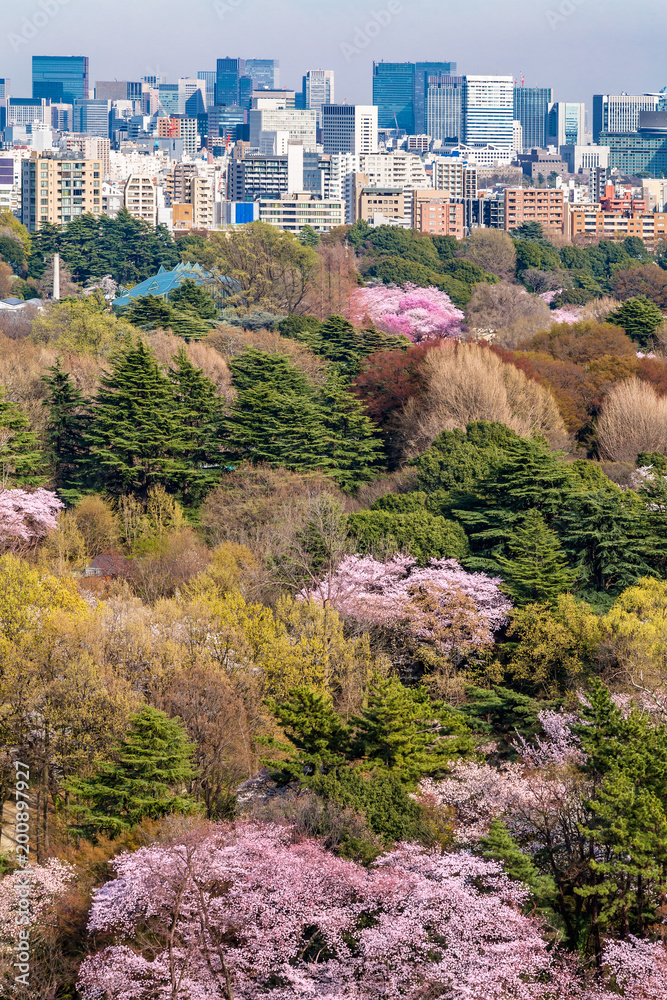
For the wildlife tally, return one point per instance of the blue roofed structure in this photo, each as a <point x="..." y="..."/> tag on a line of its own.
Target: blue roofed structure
<point x="164" y="282"/>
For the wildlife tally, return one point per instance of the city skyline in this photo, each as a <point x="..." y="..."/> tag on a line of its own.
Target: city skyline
<point x="578" y="47"/>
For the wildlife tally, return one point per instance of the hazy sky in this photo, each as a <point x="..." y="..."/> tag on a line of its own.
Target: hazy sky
<point x="579" y="47"/>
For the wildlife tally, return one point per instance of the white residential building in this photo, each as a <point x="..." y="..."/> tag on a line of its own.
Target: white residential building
<point x="293" y="212"/>
<point x="141" y="198"/>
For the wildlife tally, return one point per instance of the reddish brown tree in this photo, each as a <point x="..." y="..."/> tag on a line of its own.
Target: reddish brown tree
<point x="647" y="279"/>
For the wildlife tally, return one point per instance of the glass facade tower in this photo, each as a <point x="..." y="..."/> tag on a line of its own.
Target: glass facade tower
<point x="399" y="92"/>
<point x="61" y="79"/>
<point x="531" y="108"/>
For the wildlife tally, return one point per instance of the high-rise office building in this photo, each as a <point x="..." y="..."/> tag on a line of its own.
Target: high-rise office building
<point x="208" y="76"/>
<point x="399" y="92"/>
<point x="228" y="72"/>
<point x="566" y="124"/>
<point x="488" y="116"/>
<point x="191" y="97"/>
<point x="620" y="112"/>
<point x="245" y="91"/>
<point x="349" y="128"/>
<point x="318" y="89"/>
<point x="92" y="117"/>
<point x="265" y="73"/>
<point x="118" y="90"/>
<point x="5" y="89"/>
<point x="531" y="108"/>
<point x="444" y="108"/>
<point x="63" y="79"/>
<point x="168" y="96"/>
<point x="27" y="111"/>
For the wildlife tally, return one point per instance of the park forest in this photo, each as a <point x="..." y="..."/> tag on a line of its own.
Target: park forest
<point x="333" y="615"/>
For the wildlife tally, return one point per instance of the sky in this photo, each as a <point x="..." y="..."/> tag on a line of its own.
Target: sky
<point x="578" y="47"/>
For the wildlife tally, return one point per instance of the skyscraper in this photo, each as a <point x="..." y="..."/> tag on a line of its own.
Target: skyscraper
<point x="61" y="78"/>
<point x="91" y="117"/>
<point x="265" y="73"/>
<point x="488" y="114"/>
<point x="566" y="124"/>
<point x="318" y="89"/>
<point x="227" y="75"/>
<point x="208" y="76"/>
<point x="444" y="108"/>
<point x="399" y="92"/>
<point x="620" y="112"/>
<point x="531" y="107"/>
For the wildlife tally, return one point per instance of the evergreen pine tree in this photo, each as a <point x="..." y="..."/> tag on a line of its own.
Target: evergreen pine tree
<point x="254" y="367"/>
<point x="342" y="345"/>
<point x="265" y="425"/>
<point x="144" y="780"/>
<point x="190" y="295"/>
<point x="499" y="845"/>
<point x="66" y="430"/>
<point x="356" y="450"/>
<point x="149" y="311"/>
<point x="319" y="738"/>
<point x="135" y="439"/>
<point x="528" y="477"/>
<point x="201" y="418"/>
<point x="21" y="461"/>
<point x="402" y="730"/>
<point x="608" y="538"/>
<point x="535" y="568"/>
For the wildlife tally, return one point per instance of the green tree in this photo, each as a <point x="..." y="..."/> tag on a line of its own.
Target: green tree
<point x="627" y="760"/>
<point x="272" y="269"/>
<point x="501" y="713"/>
<point x="639" y="317"/>
<point x="535" y="568"/>
<point x="66" y="429"/>
<point x="145" y="779"/>
<point x="265" y="425"/>
<point x="460" y="458"/>
<point x="309" y="237"/>
<point x="403" y="731"/>
<point x="529" y="477"/>
<point x="254" y="368"/>
<point x="21" y="460"/>
<point x="135" y="439"/>
<point x="424" y="535"/>
<point x="607" y="538"/>
<point x="318" y="739"/>
<point x="499" y="845"/>
<point x="191" y="296"/>
<point x="354" y="447"/>
<point x="148" y="312"/>
<point x="201" y="416"/>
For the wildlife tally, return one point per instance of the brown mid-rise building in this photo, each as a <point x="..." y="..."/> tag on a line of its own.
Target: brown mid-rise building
<point x="433" y="212"/>
<point x="543" y="205"/>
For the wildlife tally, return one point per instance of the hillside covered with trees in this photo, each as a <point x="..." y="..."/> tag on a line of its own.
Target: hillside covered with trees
<point x="332" y="616"/>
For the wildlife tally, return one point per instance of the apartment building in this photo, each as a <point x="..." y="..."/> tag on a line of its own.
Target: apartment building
<point x="543" y="205"/>
<point x="371" y="200"/>
<point x="293" y="212"/>
<point x="435" y="214"/>
<point x="591" y="220"/>
<point x="141" y="198"/>
<point x="57" y="189"/>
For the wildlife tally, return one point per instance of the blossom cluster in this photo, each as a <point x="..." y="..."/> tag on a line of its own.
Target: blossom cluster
<point x="27" y="515"/>
<point x="437" y="602"/>
<point x="417" y="313"/>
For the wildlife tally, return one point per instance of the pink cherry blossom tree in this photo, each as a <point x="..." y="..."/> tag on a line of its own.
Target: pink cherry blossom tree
<point x="418" y="313"/>
<point x="26" y="516"/>
<point x="246" y="912"/>
<point x="439" y="603"/>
